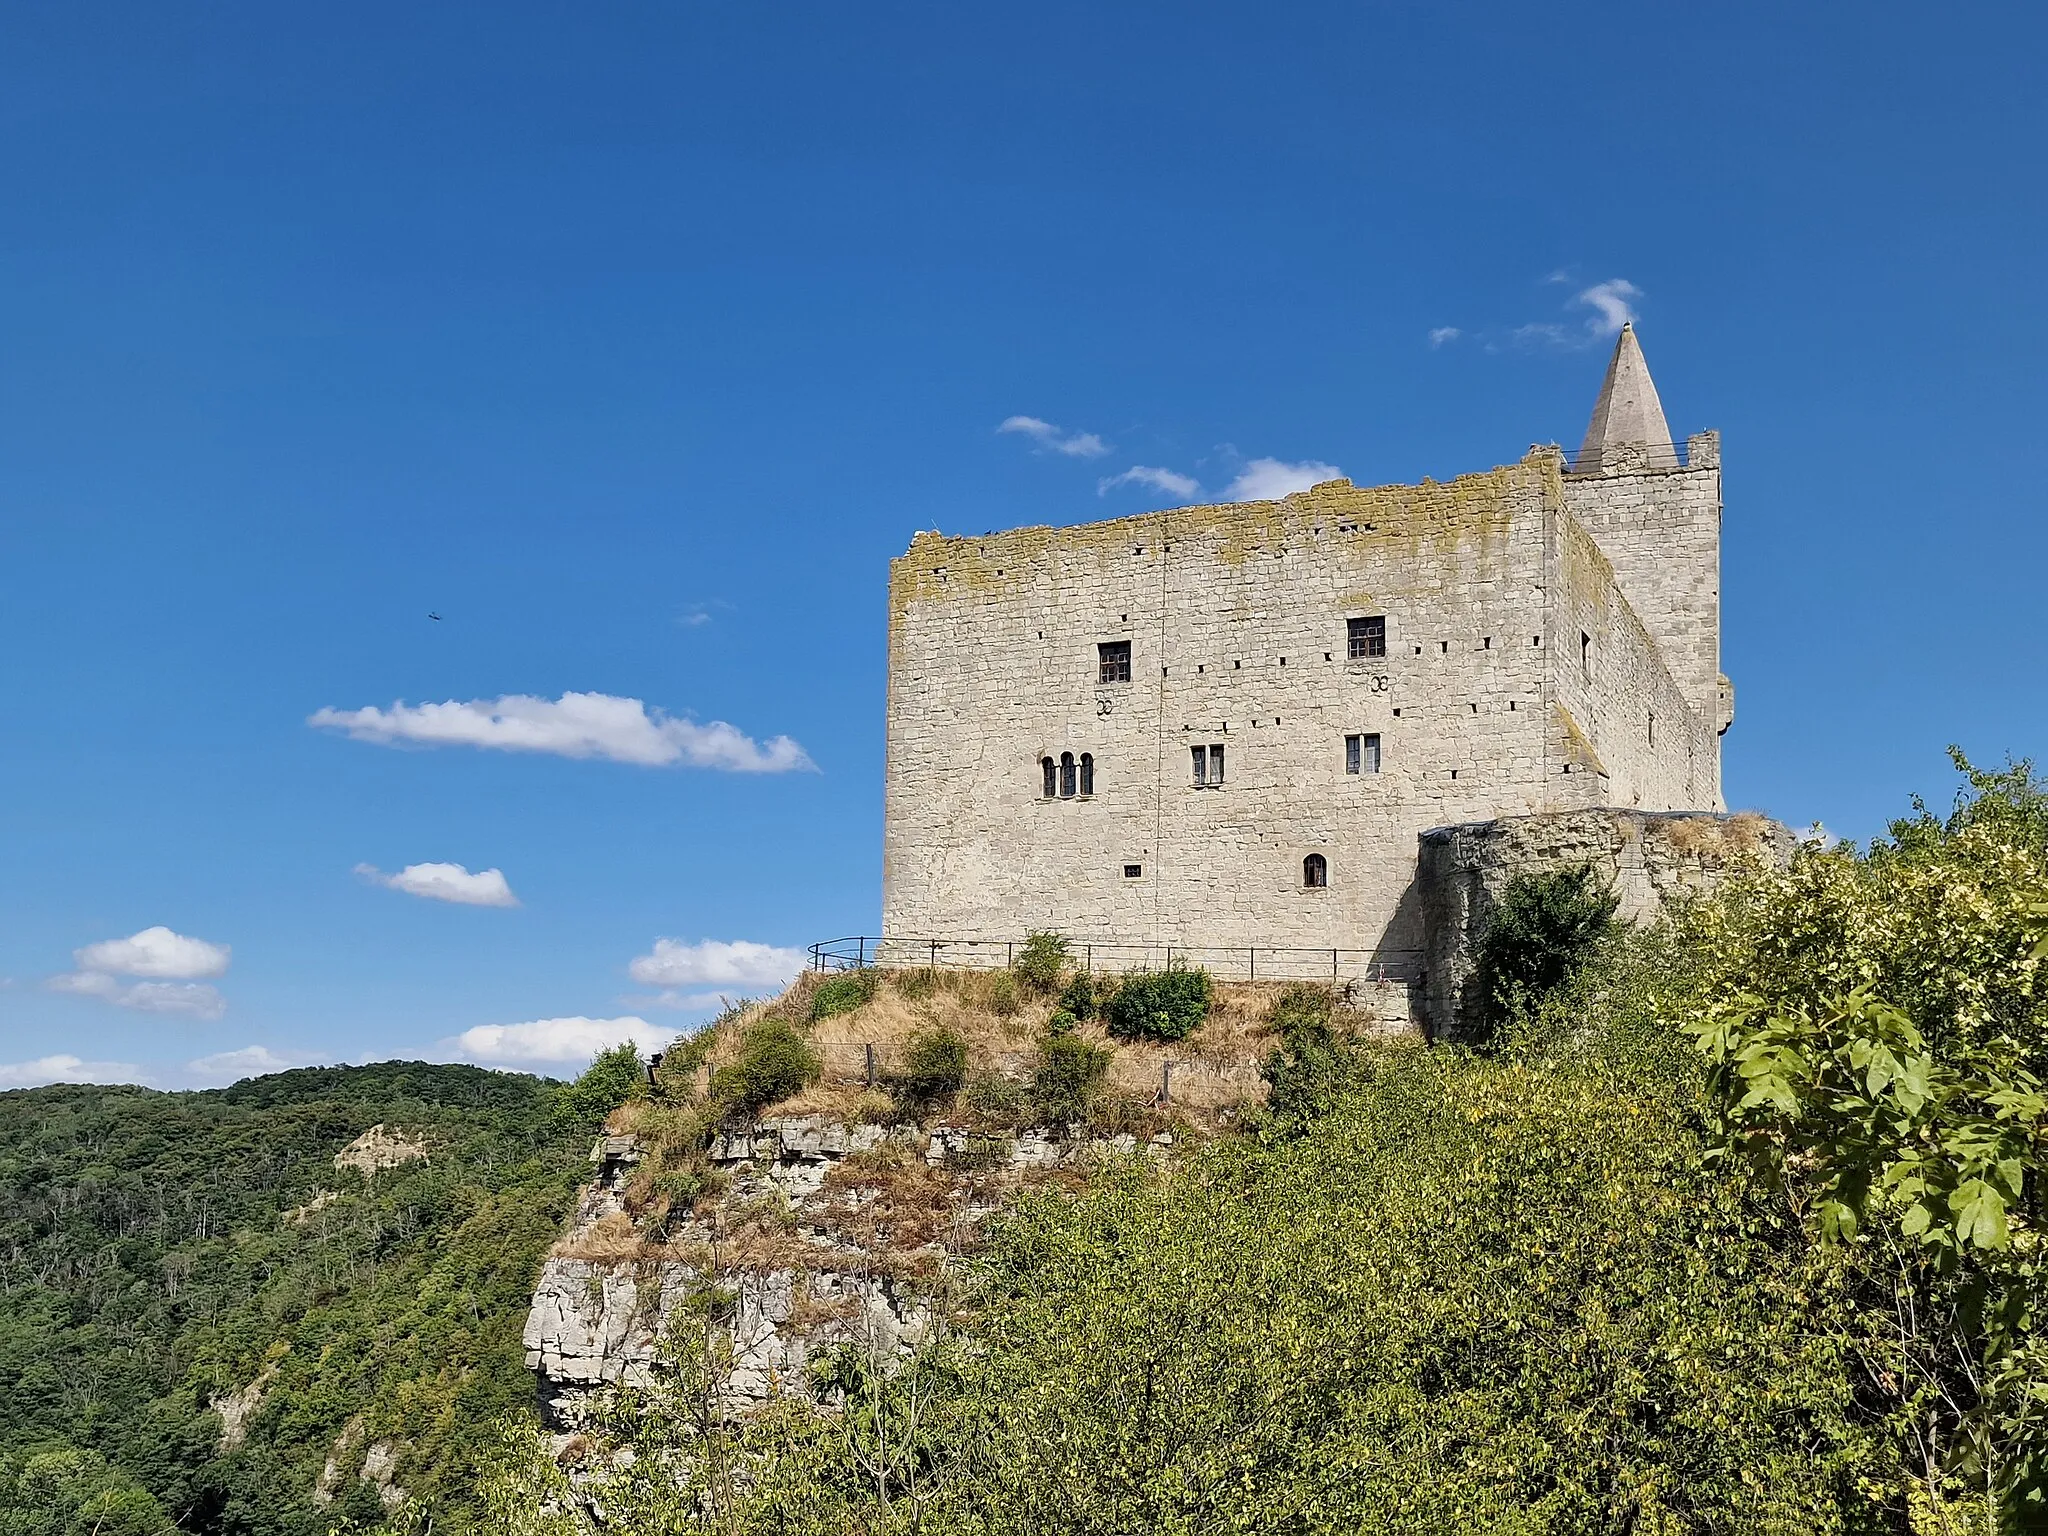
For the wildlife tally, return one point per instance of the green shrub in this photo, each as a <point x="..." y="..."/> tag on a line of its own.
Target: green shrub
<point x="843" y="993"/>
<point x="1041" y="962"/>
<point x="1070" y="1071"/>
<point x="1160" y="1005"/>
<point x="1312" y="1062"/>
<point x="1541" y="931"/>
<point x="774" y="1062"/>
<point x="995" y="1097"/>
<point x="1003" y="999"/>
<point x="935" y="1064"/>
<point x="1083" y="996"/>
<point x="612" y="1078"/>
<point x="1062" y="1023"/>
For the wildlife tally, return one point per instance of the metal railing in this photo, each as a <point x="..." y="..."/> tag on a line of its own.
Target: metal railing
<point x="1233" y="962"/>
<point x="1626" y="456"/>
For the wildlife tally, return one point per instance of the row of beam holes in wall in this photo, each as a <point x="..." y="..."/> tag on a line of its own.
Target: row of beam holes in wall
<point x="1315" y="872"/>
<point x="1364" y="640"/>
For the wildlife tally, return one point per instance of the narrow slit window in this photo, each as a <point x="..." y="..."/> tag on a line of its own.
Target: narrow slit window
<point x="1201" y="766"/>
<point x="1216" y="763"/>
<point x="1087" y="773"/>
<point x="1113" y="661"/>
<point x="1353" y="753"/>
<point x="1585" y="656"/>
<point x="1066" y="775"/>
<point x="1365" y="637"/>
<point x="1051" y="770"/>
<point x="1315" y="872"/>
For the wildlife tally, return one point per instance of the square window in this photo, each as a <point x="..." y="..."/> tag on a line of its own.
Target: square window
<point x="1134" y="871"/>
<point x="1114" y="661"/>
<point x="1365" y="637"/>
<point x="1362" y="753"/>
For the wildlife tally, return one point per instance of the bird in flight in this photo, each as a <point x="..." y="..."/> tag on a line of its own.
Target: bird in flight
<point x="435" y="617"/>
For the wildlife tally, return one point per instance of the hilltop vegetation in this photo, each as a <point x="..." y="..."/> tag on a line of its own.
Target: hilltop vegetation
<point x="161" y="1252"/>
<point x="1735" y="1228"/>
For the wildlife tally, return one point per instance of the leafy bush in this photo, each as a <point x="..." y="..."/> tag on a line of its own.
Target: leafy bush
<point x="610" y="1080"/>
<point x="775" y="1061"/>
<point x="1541" y="931"/>
<point x="1061" y="1023"/>
<point x="1160" y="1005"/>
<point x="1001" y="995"/>
<point x="935" y="1064"/>
<point x="1069" y="1072"/>
<point x="1041" y="963"/>
<point x="997" y="1098"/>
<point x="1083" y="995"/>
<point x="1312" y="1063"/>
<point x="843" y="993"/>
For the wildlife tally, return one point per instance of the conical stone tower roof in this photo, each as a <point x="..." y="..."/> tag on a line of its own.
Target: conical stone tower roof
<point x="1628" y="419"/>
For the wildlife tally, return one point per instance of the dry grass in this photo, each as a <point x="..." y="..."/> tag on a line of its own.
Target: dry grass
<point x="611" y="1239"/>
<point x="1746" y="832"/>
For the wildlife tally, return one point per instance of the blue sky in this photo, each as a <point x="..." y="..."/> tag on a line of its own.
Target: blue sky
<point x="634" y="340"/>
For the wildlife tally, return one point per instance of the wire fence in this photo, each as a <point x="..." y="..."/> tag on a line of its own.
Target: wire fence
<point x="1230" y="962"/>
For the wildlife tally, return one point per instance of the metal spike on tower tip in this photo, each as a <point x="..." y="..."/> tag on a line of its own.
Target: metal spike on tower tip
<point x="1628" y="426"/>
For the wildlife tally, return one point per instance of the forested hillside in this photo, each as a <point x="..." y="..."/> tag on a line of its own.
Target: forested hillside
<point x="164" y="1252"/>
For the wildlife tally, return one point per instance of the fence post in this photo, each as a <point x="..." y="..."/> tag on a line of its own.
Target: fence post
<point x="1088" y="960"/>
<point x="870" y="1064"/>
<point x="1333" y="965"/>
<point x="1010" y="952"/>
<point x="1166" y="1082"/>
<point x="935" y="954"/>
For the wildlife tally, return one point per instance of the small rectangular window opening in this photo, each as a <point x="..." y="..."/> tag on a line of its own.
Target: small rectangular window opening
<point x="1208" y="765"/>
<point x="1585" y="656"/>
<point x="1365" y="638"/>
<point x="1134" y="871"/>
<point x="1362" y="753"/>
<point x="1114" y="660"/>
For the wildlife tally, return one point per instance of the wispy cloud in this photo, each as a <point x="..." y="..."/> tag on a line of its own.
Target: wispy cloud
<point x="1052" y="439"/>
<point x="167" y="960"/>
<point x="68" y="1069"/>
<point x="575" y="725"/>
<point x="446" y="882"/>
<point x="740" y="963"/>
<point x="1443" y="335"/>
<point x="1607" y="307"/>
<point x="557" y="1041"/>
<point x="1270" y="479"/>
<point x="1150" y="475"/>
<point x="224" y="1067"/>
<point x="1609" y="302"/>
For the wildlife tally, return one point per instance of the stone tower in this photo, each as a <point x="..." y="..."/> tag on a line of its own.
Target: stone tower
<point x="1224" y="728"/>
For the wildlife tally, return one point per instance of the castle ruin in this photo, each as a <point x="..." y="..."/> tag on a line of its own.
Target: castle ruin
<point x="1225" y="728"/>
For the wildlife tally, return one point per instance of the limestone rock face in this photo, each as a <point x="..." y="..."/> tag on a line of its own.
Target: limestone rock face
<point x="608" y="1298"/>
<point x="378" y="1148"/>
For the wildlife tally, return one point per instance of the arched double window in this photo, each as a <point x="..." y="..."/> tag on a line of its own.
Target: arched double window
<point x="1051" y="770"/>
<point x="1066" y="775"/>
<point x="1315" y="872"/>
<point x="1087" y="774"/>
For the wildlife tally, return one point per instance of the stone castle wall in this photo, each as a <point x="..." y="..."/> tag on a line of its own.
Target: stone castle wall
<point x="1236" y="619"/>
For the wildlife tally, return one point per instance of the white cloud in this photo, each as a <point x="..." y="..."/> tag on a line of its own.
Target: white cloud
<point x="224" y="1067"/>
<point x="446" y="882"/>
<point x="1270" y="479"/>
<point x="1444" y="333"/>
<point x="554" y="1041"/>
<point x="67" y="1069"/>
<point x="715" y="963"/>
<point x="155" y="952"/>
<point x="1149" y="475"/>
<point x="1609" y="303"/>
<point x="194" y="999"/>
<point x="575" y="725"/>
<point x="1081" y="445"/>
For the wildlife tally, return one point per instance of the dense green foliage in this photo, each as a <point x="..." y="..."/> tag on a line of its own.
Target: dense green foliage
<point x="1065" y="1080"/>
<point x="1876" y="1031"/>
<point x="1042" y="962"/>
<point x="1159" y="1005"/>
<point x="159" y="1251"/>
<point x="843" y="993"/>
<point x="1312" y="1064"/>
<point x="934" y="1065"/>
<point x="1544" y="927"/>
<point x="775" y="1060"/>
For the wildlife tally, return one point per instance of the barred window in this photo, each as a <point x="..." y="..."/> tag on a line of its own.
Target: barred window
<point x="1365" y="637"/>
<point x="1087" y="774"/>
<point x="1114" y="661"/>
<point x="1362" y="753"/>
<point x="1315" y="872"/>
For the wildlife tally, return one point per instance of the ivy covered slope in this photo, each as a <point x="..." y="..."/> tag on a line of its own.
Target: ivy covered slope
<point x="163" y="1253"/>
